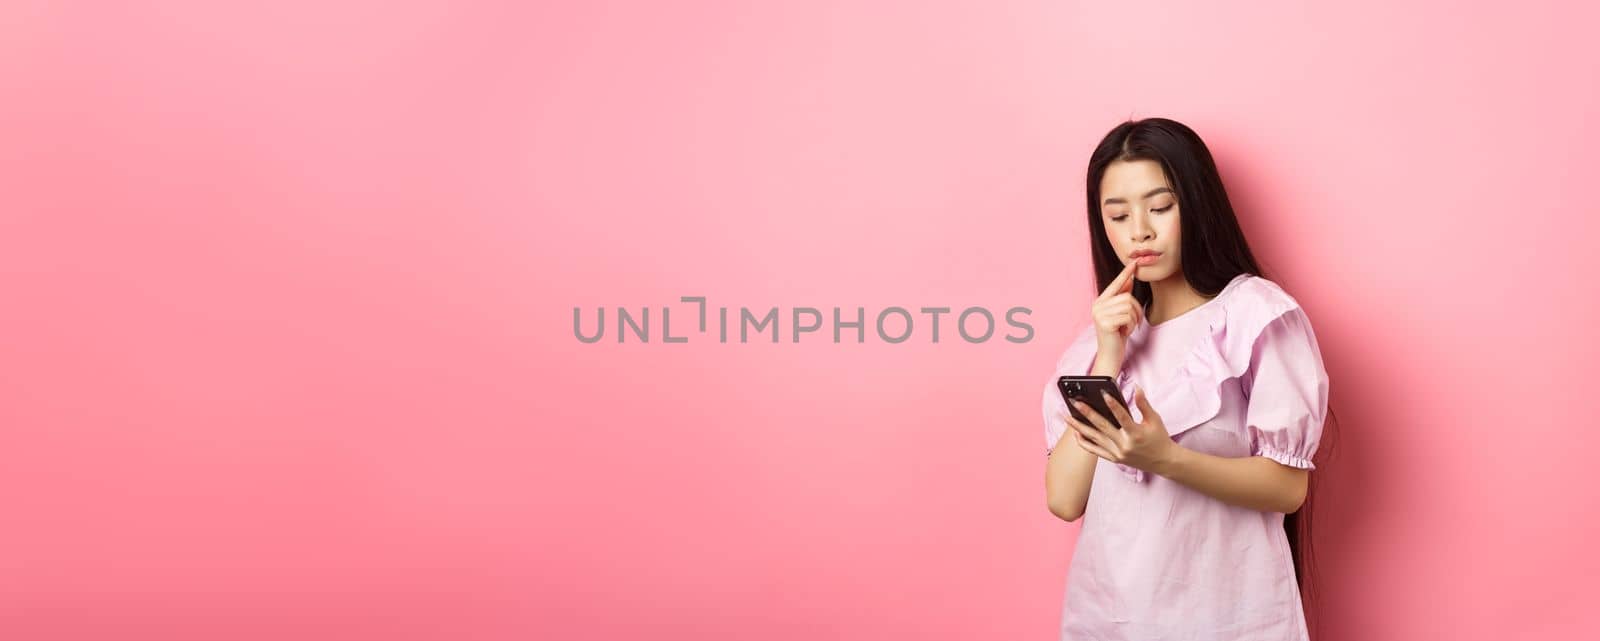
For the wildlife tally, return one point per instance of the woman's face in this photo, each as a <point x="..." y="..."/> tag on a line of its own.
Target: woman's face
<point x="1140" y="211"/>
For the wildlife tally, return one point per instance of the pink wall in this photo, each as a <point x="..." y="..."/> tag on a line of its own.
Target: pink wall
<point x="288" y="308"/>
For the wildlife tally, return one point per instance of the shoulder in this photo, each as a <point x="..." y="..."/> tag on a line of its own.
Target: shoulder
<point x="1257" y="308"/>
<point x="1252" y="299"/>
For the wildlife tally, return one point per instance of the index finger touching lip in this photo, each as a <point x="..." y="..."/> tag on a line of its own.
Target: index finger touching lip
<point x="1116" y="283"/>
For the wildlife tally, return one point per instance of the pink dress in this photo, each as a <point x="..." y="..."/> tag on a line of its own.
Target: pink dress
<point x="1240" y="375"/>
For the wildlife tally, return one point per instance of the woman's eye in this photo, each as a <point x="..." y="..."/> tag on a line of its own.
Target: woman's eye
<point x="1118" y="219"/>
<point x="1162" y="209"/>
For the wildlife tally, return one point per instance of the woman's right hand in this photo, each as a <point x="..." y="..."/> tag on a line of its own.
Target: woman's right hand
<point x="1116" y="313"/>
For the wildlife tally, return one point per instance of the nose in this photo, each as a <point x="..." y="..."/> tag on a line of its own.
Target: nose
<point x="1140" y="228"/>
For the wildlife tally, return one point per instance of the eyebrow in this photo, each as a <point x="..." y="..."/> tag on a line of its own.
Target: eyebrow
<point x="1110" y="201"/>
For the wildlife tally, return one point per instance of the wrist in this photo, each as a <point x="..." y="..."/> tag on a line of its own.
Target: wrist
<point x="1107" y="362"/>
<point x="1171" y="461"/>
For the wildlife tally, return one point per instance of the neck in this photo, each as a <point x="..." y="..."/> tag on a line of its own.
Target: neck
<point x="1170" y="297"/>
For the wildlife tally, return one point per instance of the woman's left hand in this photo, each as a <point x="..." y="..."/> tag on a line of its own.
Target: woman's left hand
<point x="1143" y="445"/>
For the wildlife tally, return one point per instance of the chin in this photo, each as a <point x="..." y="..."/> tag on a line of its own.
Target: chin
<point x="1151" y="273"/>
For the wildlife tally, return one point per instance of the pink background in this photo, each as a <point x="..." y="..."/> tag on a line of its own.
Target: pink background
<point x="288" y="291"/>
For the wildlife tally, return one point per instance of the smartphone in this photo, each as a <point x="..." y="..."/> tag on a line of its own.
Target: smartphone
<point x="1088" y="390"/>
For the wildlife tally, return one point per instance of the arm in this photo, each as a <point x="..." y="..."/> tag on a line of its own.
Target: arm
<point x="1070" y="469"/>
<point x="1255" y="482"/>
<point x="1288" y="392"/>
<point x="1069" y="473"/>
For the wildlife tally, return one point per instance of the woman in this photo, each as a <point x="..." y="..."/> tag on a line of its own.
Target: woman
<point x="1184" y="495"/>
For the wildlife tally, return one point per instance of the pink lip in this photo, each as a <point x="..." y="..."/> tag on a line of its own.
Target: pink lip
<point x="1147" y="259"/>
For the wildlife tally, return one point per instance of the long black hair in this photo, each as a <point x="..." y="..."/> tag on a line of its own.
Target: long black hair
<point x="1213" y="252"/>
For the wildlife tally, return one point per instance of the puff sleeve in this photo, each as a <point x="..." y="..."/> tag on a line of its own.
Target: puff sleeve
<point x="1287" y="391"/>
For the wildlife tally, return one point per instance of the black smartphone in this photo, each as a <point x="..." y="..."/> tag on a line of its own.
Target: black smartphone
<point x="1088" y="390"/>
